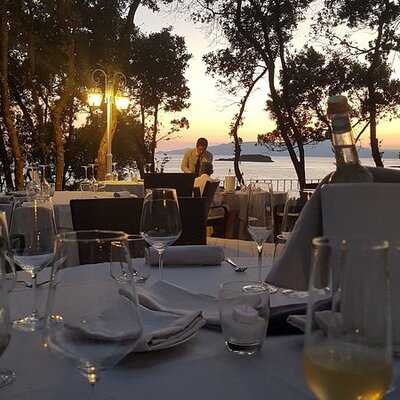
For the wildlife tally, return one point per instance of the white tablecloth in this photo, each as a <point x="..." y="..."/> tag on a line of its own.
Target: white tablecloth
<point x="200" y="369"/>
<point x="136" y="188"/>
<point x="237" y="215"/>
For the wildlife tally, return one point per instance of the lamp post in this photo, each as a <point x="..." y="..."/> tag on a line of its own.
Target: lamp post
<point x="112" y="95"/>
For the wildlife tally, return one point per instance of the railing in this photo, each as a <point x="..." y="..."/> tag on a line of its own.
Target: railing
<point x="283" y="185"/>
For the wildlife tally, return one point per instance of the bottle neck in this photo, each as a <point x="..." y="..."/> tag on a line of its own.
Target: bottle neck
<point x="343" y="141"/>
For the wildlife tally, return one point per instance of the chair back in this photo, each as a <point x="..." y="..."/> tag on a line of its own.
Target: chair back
<point x="123" y="214"/>
<point x="370" y="209"/>
<point x="182" y="183"/>
<point x="114" y="214"/>
<point x="208" y="194"/>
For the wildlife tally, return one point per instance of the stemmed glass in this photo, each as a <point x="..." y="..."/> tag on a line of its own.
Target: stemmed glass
<point x="44" y="185"/>
<point x="32" y="234"/>
<point x="85" y="184"/>
<point x="160" y="224"/>
<point x="115" y="172"/>
<point x="347" y="352"/>
<point x="260" y="225"/>
<point x="92" y="315"/>
<point x="93" y="181"/>
<point x="135" y="171"/>
<point x="6" y="376"/>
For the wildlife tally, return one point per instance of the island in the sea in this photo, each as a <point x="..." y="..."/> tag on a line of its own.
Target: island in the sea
<point x="250" y="157"/>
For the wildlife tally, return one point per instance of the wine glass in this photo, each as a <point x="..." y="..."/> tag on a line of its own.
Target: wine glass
<point x="347" y="352"/>
<point x="44" y="185"/>
<point x="92" y="315"/>
<point x="160" y="223"/>
<point x="260" y="225"/>
<point x="32" y="234"/>
<point x="92" y="180"/>
<point x="6" y="376"/>
<point x="114" y="171"/>
<point x="85" y="183"/>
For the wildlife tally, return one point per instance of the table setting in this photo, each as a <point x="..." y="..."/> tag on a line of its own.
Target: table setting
<point x="119" y="314"/>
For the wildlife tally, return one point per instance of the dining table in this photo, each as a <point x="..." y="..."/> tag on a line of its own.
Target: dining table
<point x="202" y="368"/>
<point x="237" y="201"/>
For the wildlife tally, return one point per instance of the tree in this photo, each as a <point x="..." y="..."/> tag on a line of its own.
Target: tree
<point x="6" y="107"/>
<point x="159" y="62"/>
<point x="265" y="30"/>
<point x="378" y="90"/>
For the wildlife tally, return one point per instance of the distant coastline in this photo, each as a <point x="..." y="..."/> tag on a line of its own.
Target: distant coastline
<point x="250" y="158"/>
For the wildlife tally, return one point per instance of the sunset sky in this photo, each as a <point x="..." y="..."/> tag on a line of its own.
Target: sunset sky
<point x="211" y="110"/>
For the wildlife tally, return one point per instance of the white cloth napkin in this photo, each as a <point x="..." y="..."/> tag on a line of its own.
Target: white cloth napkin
<point x="292" y="268"/>
<point x="166" y="297"/>
<point x="162" y="330"/>
<point x="188" y="255"/>
<point x="114" y="323"/>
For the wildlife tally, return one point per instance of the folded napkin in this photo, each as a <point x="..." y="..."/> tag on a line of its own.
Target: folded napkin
<point x="166" y="297"/>
<point x="188" y="255"/>
<point x="162" y="330"/>
<point x="115" y="323"/>
<point x="292" y="268"/>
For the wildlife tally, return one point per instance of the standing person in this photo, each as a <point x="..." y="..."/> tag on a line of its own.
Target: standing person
<point x="192" y="160"/>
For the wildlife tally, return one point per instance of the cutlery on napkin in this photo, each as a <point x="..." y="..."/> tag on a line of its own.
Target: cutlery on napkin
<point x="188" y="255"/>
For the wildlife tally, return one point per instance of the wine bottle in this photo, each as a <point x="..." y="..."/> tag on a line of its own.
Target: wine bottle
<point x="348" y="166"/>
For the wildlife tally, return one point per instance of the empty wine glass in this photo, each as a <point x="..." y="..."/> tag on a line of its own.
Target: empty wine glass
<point x="85" y="183"/>
<point x="6" y="376"/>
<point x="32" y="234"/>
<point x="260" y="224"/>
<point x="93" y="181"/>
<point x="347" y="351"/>
<point x="46" y="190"/>
<point x="92" y="315"/>
<point x="115" y="172"/>
<point x="160" y="224"/>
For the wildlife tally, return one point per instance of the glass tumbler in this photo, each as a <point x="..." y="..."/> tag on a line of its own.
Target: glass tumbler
<point x="244" y="315"/>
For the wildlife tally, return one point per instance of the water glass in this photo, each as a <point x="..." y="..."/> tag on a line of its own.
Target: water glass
<point x="347" y="351"/>
<point x="244" y="316"/>
<point x="160" y="223"/>
<point x="92" y="315"/>
<point x="137" y="249"/>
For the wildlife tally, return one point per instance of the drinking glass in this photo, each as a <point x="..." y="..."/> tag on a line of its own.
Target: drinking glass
<point x="347" y="351"/>
<point x="260" y="225"/>
<point x="137" y="249"/>
<point x="244" y="316"/>
<point x="85" y="183"/>
<point x="6" y="376"/>
<point x="92" y="315"/>
<point x="160" y="223"/>
<point x="32" y="234"/>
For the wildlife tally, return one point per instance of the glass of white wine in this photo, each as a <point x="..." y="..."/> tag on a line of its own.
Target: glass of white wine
<point x="348" y="352"/>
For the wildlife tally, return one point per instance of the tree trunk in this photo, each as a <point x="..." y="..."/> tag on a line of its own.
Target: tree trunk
<point x="154" y="139"/>
<point x="376" y="155"/>
<point x="6" y="163"/>
<point x="58" y="111"/>
<point x="102" y="152"/>
<point x="235" y="128"/>
<point x="6" y="109"/>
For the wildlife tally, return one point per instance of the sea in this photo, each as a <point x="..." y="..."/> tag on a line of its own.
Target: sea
<point x="280" y="168"/>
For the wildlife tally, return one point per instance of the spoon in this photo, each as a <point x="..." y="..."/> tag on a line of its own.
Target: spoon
<point x="236" y="267"/>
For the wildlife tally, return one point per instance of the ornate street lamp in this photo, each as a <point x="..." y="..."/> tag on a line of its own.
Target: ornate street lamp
<point x="112" y="94"/>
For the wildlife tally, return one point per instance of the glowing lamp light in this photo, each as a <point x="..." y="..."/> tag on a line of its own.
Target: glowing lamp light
<point x="122" y="101"/>
<point x="94" y="97"/>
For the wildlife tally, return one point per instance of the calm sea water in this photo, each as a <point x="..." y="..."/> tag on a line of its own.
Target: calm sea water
<point x="281" y="168"/>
